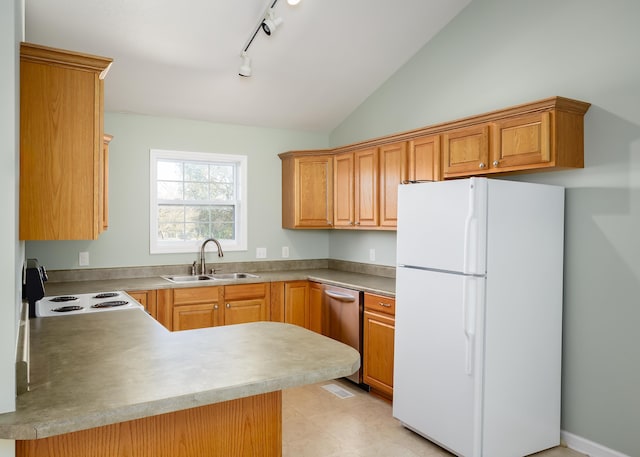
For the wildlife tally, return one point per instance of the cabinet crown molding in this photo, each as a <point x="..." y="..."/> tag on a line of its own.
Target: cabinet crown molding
<point x="61" y="57"/>
<point x="556" y="103"/>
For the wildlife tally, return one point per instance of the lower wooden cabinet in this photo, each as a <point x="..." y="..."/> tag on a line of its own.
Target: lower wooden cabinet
<point x="146" y="298"/>
<point x="196" y="307"/>
<point x="379" y="333"/>
<point x="316" y="291"/>
<point x="199" y="307"/>
<point x="246" y="303"/>
<point x="296" y="303"/>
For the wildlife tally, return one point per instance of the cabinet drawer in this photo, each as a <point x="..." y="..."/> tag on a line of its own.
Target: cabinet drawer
<point x="191" y="295"/>
<point x="244" y="291"/>
<point x="380" y="303"/>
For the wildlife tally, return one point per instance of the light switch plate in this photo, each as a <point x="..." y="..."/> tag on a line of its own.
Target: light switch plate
<point x="261" y="253"/>
<point x="285" y="252"/>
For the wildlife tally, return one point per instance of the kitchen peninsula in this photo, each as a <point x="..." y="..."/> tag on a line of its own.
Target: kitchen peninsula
<point x="119" y="383"/>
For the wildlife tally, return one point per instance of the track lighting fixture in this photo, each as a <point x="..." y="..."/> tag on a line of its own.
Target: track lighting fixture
<point x="271" y="22"/>
<point x="245" y="68"/>
<point x="268" y="22"/>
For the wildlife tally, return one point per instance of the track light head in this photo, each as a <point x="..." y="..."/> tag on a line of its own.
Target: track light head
<point x="271" y="22"/>
<point x="245" y="68"/>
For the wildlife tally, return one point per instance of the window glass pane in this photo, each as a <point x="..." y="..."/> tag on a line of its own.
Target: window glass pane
<point x="171" y="232"/>
<point x="196" y="191"/>
<point x="196" y="171"/>
<point x="170" y="190"/>
<point x="167" y="214"/>
<point x="196" y="231"/>
<point x="223" y="214"/>
<point x="221" y="191"/>
<point x="222" y="173"/>
<point x="169" y="170"/>
<point x="223" y="230"/>
<point x="197" y="213"/>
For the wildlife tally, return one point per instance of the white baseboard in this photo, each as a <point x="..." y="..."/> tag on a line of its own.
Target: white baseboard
<point x="577" y="443"/>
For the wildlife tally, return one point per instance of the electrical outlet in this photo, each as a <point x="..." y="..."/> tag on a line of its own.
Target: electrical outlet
<point x="83" y="259"/>
<point x="372" y="254"/>
<point x="261" y="253"/>
<point x="285" y="252"/>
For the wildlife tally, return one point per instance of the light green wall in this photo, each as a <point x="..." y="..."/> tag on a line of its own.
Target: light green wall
<point x="499" y="53"/>
<point x="11" y="32"/>
<point x="126" y="242"/>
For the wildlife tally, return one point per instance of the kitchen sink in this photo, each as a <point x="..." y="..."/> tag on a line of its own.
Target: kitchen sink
<point x="212" y="277"/>
<point x="233" y="276"/>
<point x="189" y="278"/>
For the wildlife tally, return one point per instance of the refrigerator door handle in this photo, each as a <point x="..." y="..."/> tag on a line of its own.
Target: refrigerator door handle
<point x="470" y="233"/>
<point x="469" y="291"/>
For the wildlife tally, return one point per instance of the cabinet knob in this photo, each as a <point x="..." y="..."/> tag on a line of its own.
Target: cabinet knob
<point x="482" y="165"/>
<point x="386" y="305"/>
<point x="215" y="306"/>
<point x="496" y="163"/>
<point x="228" y="305"/>
<point x="358" y="223"/>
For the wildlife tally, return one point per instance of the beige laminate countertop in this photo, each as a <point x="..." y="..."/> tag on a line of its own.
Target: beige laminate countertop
<point x="365" y="282"/>
<point x="102" y="368"/>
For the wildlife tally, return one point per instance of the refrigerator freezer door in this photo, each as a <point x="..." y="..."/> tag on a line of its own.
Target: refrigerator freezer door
<point x="442" y="225"/>
<point x="435" y="392"/>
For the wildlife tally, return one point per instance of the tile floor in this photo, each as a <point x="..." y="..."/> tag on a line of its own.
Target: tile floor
<point x="317" y="423"/>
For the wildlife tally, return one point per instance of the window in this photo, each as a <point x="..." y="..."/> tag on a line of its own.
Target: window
<point x="195" y="196"/>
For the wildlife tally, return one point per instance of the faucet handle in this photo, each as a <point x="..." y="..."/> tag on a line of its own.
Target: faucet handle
<point x="193" y="268"/>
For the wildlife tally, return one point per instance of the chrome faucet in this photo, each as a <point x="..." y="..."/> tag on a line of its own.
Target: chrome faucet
<point x="203" y="265"/>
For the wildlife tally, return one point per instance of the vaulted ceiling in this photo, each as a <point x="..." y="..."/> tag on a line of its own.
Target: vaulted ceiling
<point x="181" y="58"/>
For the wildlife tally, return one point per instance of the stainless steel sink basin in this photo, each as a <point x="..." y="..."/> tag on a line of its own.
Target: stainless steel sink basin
<point x="233" y="276"/>
<point x="212" y="277"/>
<point x="189" y="278"/>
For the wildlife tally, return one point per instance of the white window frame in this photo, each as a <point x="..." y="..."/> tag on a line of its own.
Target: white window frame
<point x="157" y="246"/>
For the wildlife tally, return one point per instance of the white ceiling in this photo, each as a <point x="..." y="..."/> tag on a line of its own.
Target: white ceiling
<point x="181" y="58"/>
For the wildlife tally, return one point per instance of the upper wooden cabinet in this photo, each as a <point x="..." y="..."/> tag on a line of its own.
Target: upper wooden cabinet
<point x="393" y="171"/>
<point x="343" y="190"/>
<point x="543" y="135"/>
<point x="104" y="186"/>
<point x="355" y="191"/>
<point x="61" y="144"/>
<point x="466" y="150"/>
<point x="424" y="159"/>
<point x="307" y="190"/>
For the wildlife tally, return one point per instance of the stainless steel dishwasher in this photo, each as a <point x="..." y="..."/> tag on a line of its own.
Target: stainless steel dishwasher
<point x="342" y="320"/>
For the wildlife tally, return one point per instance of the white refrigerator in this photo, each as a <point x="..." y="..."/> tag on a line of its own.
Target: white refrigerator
<point x="479" y="315"/>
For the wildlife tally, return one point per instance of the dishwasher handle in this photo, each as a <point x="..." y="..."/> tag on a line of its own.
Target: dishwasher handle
<point x="340" y="297"/>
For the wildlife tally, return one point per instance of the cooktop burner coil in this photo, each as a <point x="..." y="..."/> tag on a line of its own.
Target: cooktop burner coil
<point x="68" y="308"/>
<point x="110" y="304"/>
<point x="63" y="298"/>
<point x="106" y="295"/>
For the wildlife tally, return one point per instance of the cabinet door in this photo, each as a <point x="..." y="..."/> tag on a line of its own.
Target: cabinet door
<point x="379" y="332"/>
<point x="393" y="171"/>
<point x="315" y="307"/>
<point x="343" y="190"/>
<point x="146" y="298"/>
<point x="314" y="201"/>
<point x="466" y="151"/>
<point x="61" y="140"/>
<point x="366" y="170"/>
<point x="188" y="317"/>
<point x="104" y="183"/>
<point x="424" y="159"/>
<point x="246" y="303"/>
<point x="521" y="141"/>
<point x="196" y="307"/>
<point x="296" y="303"/>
